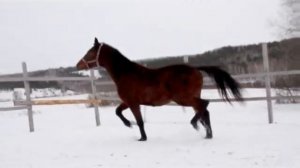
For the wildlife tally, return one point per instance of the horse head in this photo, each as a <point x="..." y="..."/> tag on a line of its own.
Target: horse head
<point x="95" y="56"/>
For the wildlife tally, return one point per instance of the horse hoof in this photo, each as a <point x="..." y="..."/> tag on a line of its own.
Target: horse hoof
<point x="210" y="136"/>
<point x="143" y="139"/>
<point x="195" y="126"/>
<point x="128" y="124"/>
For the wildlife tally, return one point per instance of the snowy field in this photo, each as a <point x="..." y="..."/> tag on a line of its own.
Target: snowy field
<point x="66" y="137"/>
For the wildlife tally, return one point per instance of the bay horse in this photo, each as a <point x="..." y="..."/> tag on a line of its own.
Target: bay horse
<point x="138" y="85"/>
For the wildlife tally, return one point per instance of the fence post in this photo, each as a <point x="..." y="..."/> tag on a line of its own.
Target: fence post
<point x="28" y="99"/>
<point x="267" y="81"/>
<point x="144" y="113"/>
<point x="186" y="59"/>
<point x="94" y="91"/>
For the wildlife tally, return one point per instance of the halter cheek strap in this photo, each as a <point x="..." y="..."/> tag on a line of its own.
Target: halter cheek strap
<point x="94" y="60"/>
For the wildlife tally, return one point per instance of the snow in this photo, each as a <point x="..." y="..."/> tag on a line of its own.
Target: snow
<point x="66" y="136"/>
<point x="5" y="96"/>
<point x="88" y="73"/>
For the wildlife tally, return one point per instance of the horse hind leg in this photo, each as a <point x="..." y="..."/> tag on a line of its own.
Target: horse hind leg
<point x="205" y="121"/>
<point x="196" y="104"/>
<point x="199" y="107"/>
<point x="202" y="115"/>
<point x="194" y="122"/>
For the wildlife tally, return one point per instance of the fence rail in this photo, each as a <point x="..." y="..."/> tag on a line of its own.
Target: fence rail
<point x="109" y="82"/>
<point x="29" y="103"/>
<point x="13" y="108"/>
<point x="37" y="79"/>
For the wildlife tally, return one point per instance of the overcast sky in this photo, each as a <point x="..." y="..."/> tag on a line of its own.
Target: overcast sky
<point x="57" y="33"/>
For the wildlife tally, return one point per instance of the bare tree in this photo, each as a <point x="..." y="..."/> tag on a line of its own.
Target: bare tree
<point x="292" y="16"/>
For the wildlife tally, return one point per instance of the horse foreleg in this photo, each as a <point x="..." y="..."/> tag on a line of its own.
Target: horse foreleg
<point x="119" y="111"/>
<point x="139" y="120"/>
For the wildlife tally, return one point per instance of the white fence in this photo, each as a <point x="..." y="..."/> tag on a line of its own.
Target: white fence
<point x="29" y="103"/>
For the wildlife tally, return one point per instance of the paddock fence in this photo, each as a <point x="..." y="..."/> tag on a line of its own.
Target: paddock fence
<point x="29" y="103"/>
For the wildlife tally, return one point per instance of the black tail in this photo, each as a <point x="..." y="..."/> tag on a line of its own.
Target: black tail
<point x="223" y="80"/>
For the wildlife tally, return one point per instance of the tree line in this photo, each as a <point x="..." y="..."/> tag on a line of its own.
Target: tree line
<point x="283" y="55"/>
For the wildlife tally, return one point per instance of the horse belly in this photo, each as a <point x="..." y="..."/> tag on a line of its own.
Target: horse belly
<point x="155" y="97"/>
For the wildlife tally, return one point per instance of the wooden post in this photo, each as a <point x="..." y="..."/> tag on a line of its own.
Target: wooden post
<point x="267" y="81"/>
<point x="94" y="91"/>
<point x="28" y="99"/>
<point x="186" y="59"/>
<point x="144" y="113"/>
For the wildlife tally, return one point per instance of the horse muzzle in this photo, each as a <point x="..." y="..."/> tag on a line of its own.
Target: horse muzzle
<point x="81" y="65"/>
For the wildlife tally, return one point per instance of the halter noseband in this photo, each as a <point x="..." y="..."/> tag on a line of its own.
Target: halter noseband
<point x="94" y="60"/>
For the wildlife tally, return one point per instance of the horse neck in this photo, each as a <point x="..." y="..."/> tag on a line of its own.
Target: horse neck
<point x="118" y="65"/>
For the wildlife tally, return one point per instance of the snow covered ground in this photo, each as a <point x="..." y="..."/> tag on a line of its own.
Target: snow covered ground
<point x="66" y="137"/>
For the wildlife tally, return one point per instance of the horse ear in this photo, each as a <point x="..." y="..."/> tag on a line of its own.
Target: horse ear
<point x="96" y="41"/>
